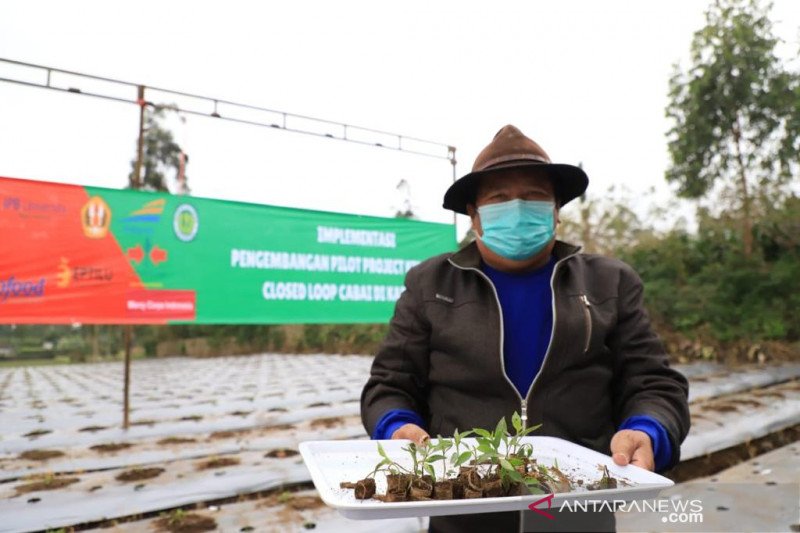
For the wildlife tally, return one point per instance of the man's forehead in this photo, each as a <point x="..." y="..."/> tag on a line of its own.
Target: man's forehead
<point x="516" y="177"/>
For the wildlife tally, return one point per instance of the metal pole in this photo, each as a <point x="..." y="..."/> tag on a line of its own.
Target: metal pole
<point x="451" y="154"/>
<point x="135" y="185"/>
<point x="126" y="405"/>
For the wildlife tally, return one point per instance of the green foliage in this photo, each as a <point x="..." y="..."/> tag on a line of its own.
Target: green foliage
<point x="702" y="284"/>
<point x="161" y="154"/>
<point x="733" y="113"/>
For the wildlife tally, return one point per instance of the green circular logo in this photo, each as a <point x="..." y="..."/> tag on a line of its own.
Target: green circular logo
<point x="185" y="222"/>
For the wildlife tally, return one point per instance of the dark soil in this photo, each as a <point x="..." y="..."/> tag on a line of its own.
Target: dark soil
<point x="47" y="483"/>
<point x="280" y="453"/>
<point x="93" y="429"/>
<point x="188" y="523"/>
<point x="718" y="461"/>
<point x="111" y="447"/>
<point x="40" y="455"/>
<point x="192" y="418"/>
<point x="224" y="434"/>
<point x="143" y="423"/>
<point x="303" y="503"/>
<point x="327" y="422"/>
<point x="218" y="463"/>
<point x="37" y="433"/>
<point x="136" y="474"/>
<point x="175" y="440"/>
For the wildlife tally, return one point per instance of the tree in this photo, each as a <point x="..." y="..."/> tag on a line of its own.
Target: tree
<point x="161" y="155"/>
<point x="730" y="111"/>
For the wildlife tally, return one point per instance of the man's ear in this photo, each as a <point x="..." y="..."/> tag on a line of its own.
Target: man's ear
<point x="472" y="213"/>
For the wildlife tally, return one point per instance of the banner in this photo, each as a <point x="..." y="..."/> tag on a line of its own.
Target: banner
<point x="73" y="254"/>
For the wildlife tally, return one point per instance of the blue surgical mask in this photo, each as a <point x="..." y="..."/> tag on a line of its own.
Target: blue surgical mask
<point x="517" y="229"/>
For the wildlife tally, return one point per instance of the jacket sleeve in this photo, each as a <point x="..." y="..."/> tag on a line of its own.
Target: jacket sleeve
<point x="399" y="374"/>
<point x="644" y="383"/>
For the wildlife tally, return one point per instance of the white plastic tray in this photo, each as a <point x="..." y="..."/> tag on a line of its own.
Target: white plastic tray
<point x="331" y="462"/>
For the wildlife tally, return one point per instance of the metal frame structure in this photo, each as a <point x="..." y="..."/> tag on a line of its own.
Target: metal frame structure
<point x="209" y="107"/>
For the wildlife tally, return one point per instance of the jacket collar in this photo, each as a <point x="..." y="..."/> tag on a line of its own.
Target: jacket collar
<point x="470" y="257"/>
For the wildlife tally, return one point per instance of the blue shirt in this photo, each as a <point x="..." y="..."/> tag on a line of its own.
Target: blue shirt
<point x="526" y="303"/>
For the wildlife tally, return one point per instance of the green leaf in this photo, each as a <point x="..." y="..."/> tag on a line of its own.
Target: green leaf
<point x="501" y="428"/>
<point x="485" y="447"/>
<point x="514" y="475"/>
<point x="516" y="421"/>
<point x="434" y="458"/>
<point x="534" y="487"/>
<point x="431" y="471"/>
<point x="483" y="433"/>
<point x="505" y="464"/>
<point x="382" y="452"/>
<point x="463" y="458"/>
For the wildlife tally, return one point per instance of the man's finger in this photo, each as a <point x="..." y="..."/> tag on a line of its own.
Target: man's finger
<point x="643" y="455"/>
<point x="626" y="443"/>
<point x="413" y="433"/>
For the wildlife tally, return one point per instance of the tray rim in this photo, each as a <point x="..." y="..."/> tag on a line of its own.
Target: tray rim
<point x="369" y="509"/>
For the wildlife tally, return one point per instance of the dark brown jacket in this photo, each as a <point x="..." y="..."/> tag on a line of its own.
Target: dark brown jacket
<point x="443" y="355"/>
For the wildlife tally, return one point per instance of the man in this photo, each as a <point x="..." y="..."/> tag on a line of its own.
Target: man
<point x="518" y="321"/>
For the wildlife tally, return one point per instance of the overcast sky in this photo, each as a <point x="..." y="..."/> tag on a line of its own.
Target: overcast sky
<point x="586" y="79"/>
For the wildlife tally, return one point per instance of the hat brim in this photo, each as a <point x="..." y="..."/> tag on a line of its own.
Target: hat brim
<point x="569" y="182"/>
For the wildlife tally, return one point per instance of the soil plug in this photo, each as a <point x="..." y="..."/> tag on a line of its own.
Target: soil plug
<point x="398" y="483"/>
<point x="365" y="488"/>
<point x="443" y="490"/>
<point x="420" y="488"/>
<point x="492" y="486"/>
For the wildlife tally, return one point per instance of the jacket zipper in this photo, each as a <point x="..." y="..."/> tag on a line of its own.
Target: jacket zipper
<point x="588" y="315"/>
<point x="523" y="401"/>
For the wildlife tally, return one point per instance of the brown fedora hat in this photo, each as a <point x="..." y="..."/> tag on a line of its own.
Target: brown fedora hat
<point x="511" y="149"/>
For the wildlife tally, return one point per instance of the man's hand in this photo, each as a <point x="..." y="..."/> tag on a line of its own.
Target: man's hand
<point x="634" y="447"/>
<point x="414" y="433"/>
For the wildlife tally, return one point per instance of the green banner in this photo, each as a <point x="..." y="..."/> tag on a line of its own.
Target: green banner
<point x="96" y="255"/>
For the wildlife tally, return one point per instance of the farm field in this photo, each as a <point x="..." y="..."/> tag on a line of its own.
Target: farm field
<point x="218" y="437"/>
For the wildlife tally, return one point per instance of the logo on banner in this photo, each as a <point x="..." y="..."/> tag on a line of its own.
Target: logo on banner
<point x="32" y="208"/>
<point x="185" y="222"/>
<point x="144" y="221"/>
<point x="14" y="288"/>
<point x="96" y="218"/>
<point x="79" y="274"/>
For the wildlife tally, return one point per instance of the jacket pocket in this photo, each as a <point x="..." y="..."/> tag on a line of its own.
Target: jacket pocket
<point x="587" y="317"/>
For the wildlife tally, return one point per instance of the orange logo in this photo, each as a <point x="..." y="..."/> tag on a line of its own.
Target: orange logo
<point x="96" y="218"/>
<point x="64" y="275"/>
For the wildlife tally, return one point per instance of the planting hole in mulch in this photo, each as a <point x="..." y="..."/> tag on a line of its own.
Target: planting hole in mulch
<point x="175" y="440"/>
<point x="281" y="453"/>
<point x="303" y="503"/>
<point x="143" y="423"/>
<point x="278" y="410"/>
<point x="319" y="404"/>
<point x="218" y="463"/>
<point x="48" y="482"/>
<point x="240" y="413"/>
<point x="224" y="434"/>
<point x="280" y="427"/>
<point x="40" y="455"/>
<point x="327" y="422"/>
<point x="721" y="407"/>
<point x="135" y="474"/>
<point x="111" y="447"/>
<point x="182" y="522"/>
<point x="37" y="433"/>
<point x="192" y="418"/>
<point x="93" y="429"/>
